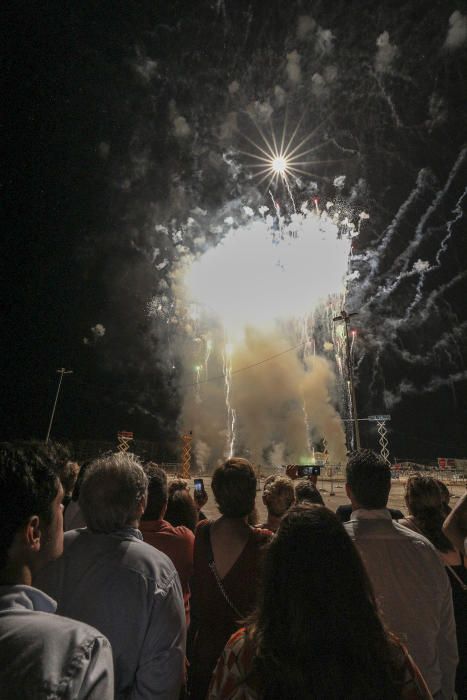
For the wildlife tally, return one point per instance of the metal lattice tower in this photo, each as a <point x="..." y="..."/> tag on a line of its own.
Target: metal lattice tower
<point x="124" y="438"/>
<point x="383" y="441"/>
<point x="186" y="455"/>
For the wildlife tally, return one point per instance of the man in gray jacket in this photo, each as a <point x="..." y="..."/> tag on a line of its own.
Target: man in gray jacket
<point x="408" y="578"/>
<point x="130" y="591"/>
<point x="42" y="655"/>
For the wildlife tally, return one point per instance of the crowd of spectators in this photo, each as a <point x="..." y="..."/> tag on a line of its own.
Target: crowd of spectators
<point x="144" y="597"/>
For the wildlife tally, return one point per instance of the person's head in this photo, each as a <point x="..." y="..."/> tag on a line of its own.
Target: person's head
<point x="31" y="514"/>
<point x="68" y="473"/>
<point x="425" y="503"/>
<point x="178" y="484"/>
<point x="422" y="493"/>
<point x="368" y="480"/>
<point x="445" y="496"/>
<point x="181" y="510"/>
<point x="278" y="495"/>
<point x="157" y="493"/>
<point x="315" y="634"/>
<point x="307" y="492"/>
<point x="113" y="492"/>
<point x="234" y="488"/>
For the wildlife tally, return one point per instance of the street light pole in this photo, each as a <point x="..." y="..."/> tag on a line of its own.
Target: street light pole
<point x="353" y="402"/>
<point x="61" y="372"/>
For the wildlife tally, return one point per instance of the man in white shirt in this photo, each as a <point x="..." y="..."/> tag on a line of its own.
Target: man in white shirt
<point x="130" y="591"/>
<point x="411" y="586"/>
<point x="41" y="655"/>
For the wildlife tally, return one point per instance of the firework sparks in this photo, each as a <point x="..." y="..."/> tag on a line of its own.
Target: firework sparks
<point x="284" y="159"/>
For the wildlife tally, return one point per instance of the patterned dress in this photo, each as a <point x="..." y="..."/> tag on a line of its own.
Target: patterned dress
<point x="234" y="677"/>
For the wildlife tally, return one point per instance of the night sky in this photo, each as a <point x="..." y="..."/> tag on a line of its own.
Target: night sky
<point x="119" y="127"/>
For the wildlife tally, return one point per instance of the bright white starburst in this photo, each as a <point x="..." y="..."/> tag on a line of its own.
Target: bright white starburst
<point x="279" y="165"/>
<point x="285" y="160"/>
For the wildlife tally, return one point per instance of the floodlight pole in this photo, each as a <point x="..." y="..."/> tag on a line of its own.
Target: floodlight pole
<point x="61" y="372"/>
<point x="353" y="402"/>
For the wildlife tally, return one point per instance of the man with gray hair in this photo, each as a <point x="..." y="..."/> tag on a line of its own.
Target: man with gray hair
<point x="130" y="591"/>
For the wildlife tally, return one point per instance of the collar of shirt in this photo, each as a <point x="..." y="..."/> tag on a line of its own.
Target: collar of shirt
<point x="154" y="525"/>
<point x="373" y="514"/>
<point x="127" y="532"/>
<point x="27" y="598"/>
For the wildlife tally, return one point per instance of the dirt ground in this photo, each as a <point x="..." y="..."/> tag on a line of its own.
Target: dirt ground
<point x="396" y="497"/>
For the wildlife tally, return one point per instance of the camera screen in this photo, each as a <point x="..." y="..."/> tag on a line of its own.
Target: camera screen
<point x="309" y="470"/>
<point x="199" y="485"/>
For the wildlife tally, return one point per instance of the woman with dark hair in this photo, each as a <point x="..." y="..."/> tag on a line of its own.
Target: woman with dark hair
<point x="181" y="509"/>
<point x="306" y="492"/>
<point x="316" y="633"/>
<point x="226" y="569"/>
<point x="428" y="507"/>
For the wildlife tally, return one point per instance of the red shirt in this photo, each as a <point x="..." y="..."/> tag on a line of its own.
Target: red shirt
<point x="177" y="543"/>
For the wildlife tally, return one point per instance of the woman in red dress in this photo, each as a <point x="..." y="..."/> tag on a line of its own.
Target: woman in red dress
<point x="226" y="570"/>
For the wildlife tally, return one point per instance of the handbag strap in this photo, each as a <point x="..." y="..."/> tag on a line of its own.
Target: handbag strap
<point x="457" y="577"/>
<point x="448" y="566"/>
<point x="215" y="573"/>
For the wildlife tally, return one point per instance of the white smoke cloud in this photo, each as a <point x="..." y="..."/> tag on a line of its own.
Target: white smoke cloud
<point x="457" y="32"/>
<point x="144" y="66"/>
<point x="339" y="182"/>
<point x="249" y="292"/>
<point x="97" y="332"/>
<point x="279" y="96"/>
<point x="202" y="453"/>
<point x="421" y="265"/>
<point x="324" y="41"/>
<point x="277" y="455"/>
<point x="385" y="54"/>
<point x="305" y="27"/>
<point x="229" y="126"/>
<point x="318" y="86"/>
<point x="330" y="73"/>
<point x="437" y="110"/>
<point x="274" y="271"/>
<point x="181" y="127"/>
<point x="262" y="111"/>
<point x="293" y="69"/>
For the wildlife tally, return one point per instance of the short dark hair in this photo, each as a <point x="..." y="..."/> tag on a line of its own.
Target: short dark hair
<point x="234" y="487"/>
<point x="369" y="478"/>
<point x="28" y="486"/>
<point x="181" y="510"/>
<point x="157" y="492"/>
<point x="306" y="491"/>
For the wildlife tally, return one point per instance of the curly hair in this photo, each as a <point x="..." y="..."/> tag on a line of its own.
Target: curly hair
<point x="28" y="486"/>
<point x="425" y="503"/>
<point x="316" y="629"/>
<point x="278" y="495"/>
